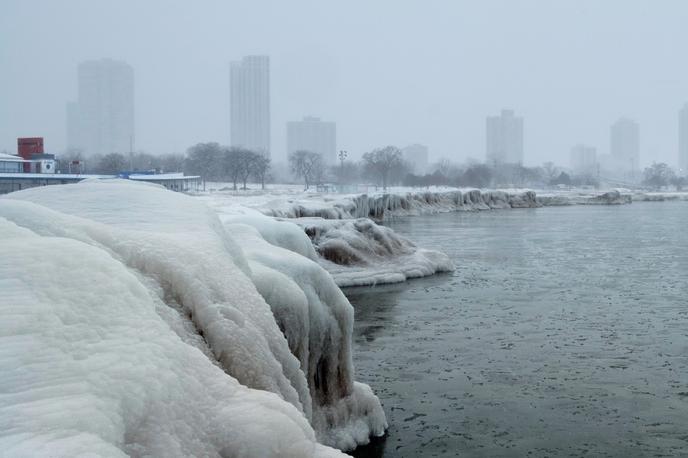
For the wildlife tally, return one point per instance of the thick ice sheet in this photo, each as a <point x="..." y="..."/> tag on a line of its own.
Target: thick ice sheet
<point x="163" y="297"/>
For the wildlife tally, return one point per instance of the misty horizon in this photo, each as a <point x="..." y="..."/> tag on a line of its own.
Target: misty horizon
<point x="389" y="73"/>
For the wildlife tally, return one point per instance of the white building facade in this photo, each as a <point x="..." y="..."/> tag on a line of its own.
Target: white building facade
<point x="504" y="139"/>
<point x="250" y="104"/>
<point x="683" y="140"/>
<point x="625" y="145"/>
<point x="313" y="134"/>
<point x="584" y="160"/>
<point x="102" y="119"/>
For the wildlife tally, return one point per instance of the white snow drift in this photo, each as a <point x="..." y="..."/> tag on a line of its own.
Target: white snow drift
<point x="134" y="323"/>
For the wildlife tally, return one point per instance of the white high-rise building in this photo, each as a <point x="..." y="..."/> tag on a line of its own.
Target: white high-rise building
<point x="417" y="156"/>
<point x="683" y="140"/>
<point x="584" y="159"/>
<point x="625" y="145"/>
<point x="504" y="138"/>
<point x="250" y="103"/>
<point x="314" y="135"/>
<point x="102" y="119"/>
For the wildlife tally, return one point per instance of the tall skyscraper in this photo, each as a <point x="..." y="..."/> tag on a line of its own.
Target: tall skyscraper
<point x="504" y="138"/>
<point x="584" y="159"/>
<point x="683" y="140"/>
<point x="250" y="103"/>
<point x="314" y="135"/>
<point x="417" y="156"/>
<point x="625" y="145"/>
<point x="102" y="120"/>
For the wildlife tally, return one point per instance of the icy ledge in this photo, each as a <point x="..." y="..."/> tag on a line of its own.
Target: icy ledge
<point x="136" y="323"/>
<point x="381" y="206"/>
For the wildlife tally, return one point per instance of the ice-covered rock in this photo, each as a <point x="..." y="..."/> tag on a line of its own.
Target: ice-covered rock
<point x="563" y="198"/>
<point x="659" y="196"/>
<point x="361" y="252"/>
<point x="137" y="315"/>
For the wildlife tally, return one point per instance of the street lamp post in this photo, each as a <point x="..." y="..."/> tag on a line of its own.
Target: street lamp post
<point x="342" y="156"/>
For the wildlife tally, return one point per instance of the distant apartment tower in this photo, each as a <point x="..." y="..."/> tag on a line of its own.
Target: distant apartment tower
<point x="584" y="160"/>
<point x="312" y="134"/>
<point x="417" y="156"/>
<point x="683" y="140"/>
<point x="102" y="119"/>
<point x="625" y="144"/>
<point x="504" y="138"/>
<point x="250" y="103"/>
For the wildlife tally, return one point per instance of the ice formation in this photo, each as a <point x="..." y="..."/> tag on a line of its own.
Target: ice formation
<point x="611" y="197"/>
<point x="379" y="206"/>
<point x="139" y="325"/>
<point x="361" y="252"/>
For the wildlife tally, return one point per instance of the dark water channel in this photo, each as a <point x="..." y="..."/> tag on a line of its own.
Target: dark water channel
<point x="562" y="332"/>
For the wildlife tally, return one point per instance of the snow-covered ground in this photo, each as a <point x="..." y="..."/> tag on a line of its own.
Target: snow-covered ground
<point x="136" y="322"/>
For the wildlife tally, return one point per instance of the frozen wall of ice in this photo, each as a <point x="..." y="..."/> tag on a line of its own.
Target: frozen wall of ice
<point x="381" y="206"/>
<point x="563" y="198"/>
<point x="190" y="277"/>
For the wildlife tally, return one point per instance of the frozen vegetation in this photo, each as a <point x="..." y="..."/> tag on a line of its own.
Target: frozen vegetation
<point x="136" y="322"/>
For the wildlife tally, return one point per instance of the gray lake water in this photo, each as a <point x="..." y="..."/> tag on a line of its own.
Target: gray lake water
<point x="562" y="332"/>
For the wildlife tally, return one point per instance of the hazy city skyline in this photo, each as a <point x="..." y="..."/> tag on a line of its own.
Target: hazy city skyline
<point x="249" y="99"/>
<point x="101" y="120"/>
<point x="387" y="73"/>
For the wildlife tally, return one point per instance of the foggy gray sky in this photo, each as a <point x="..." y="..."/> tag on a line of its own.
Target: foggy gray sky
<point x="388" y="72"/>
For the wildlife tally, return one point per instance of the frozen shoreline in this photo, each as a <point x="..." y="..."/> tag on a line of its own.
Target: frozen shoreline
<point x="163" y="324"/>
<point x="150" y="327"/>
<point x="356" y="251"/>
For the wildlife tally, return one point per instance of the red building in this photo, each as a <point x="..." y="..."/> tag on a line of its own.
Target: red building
<point x="27" y="147"/>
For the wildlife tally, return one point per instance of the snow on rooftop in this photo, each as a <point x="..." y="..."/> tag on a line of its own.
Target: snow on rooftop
<point x="11" y="157"/>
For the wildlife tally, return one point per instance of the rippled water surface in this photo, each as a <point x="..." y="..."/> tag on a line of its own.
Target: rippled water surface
<point x="563" y="332"/>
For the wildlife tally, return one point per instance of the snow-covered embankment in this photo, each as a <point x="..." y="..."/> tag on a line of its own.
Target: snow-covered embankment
<point x="348" y="241"/>
<point x="136" y="323"/>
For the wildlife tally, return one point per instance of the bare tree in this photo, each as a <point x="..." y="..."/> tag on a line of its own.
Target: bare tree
<point x="204" y="159"/>
<point x="172" y="162"/>
<point x="658" y="175"/>
<point x="247" y="159"/>
<point x="550" y="171"/>
<point x="111" y="164"/>
<point x="307" y="165"/>
<point x="68" y="160"/>
<point x="231" y="164"/>
<point x="260" y="168"/>
<point x="382" y="163"/>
